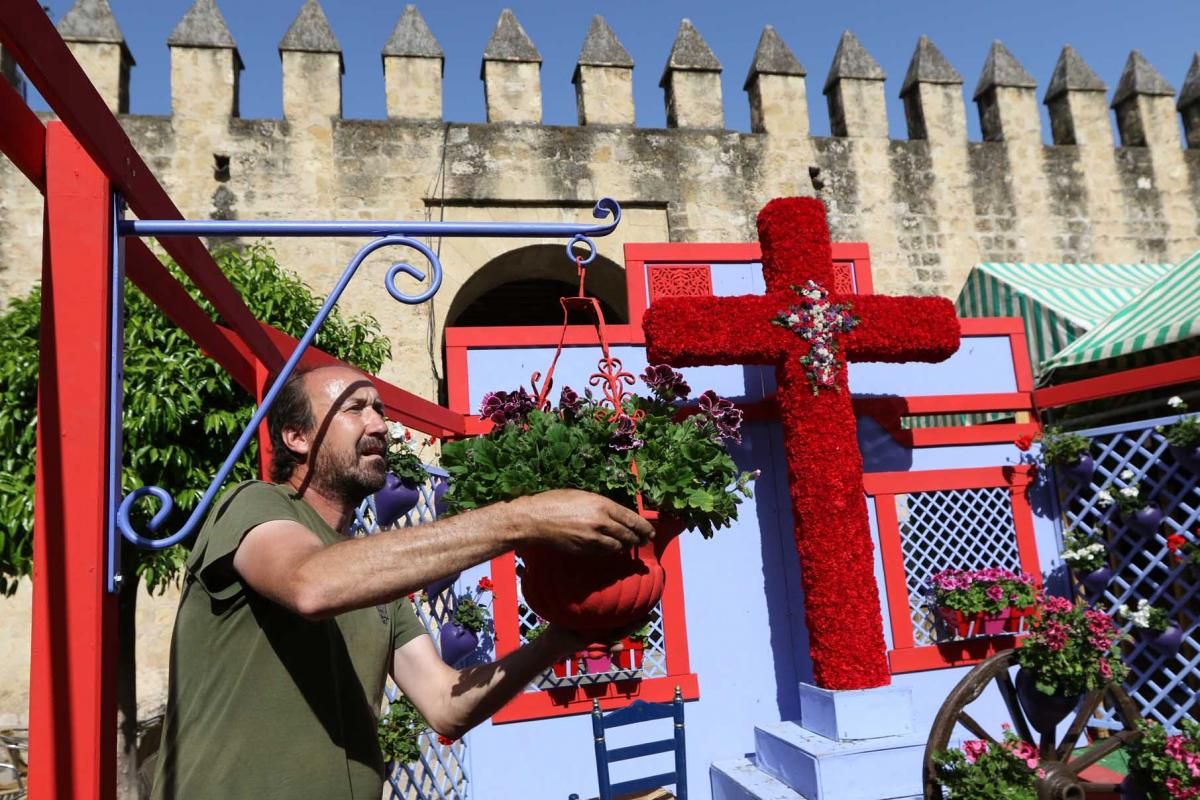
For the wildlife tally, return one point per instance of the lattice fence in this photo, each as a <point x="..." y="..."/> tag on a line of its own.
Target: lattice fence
<point x="960" y="529"/>
<point x="441" y="771"/>
<point x="1165" y="686"/>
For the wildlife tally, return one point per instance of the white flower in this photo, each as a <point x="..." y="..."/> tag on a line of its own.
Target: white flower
<point x="1177" y="402"/>
<point x="1129" y="491"/>
<point x="1104" y="498"/>
<point x="396" y="431"/>
<point x="1128" y="475"/>
<point x="793" y="319"/>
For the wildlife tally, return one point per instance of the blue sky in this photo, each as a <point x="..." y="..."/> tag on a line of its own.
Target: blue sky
<point x="1103" y="31"/>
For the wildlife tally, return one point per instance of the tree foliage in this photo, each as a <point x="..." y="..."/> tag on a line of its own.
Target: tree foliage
<point x="182" y="412"/>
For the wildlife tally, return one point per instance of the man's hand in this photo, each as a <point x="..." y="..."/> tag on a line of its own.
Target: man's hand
<point x="579" y="522"/>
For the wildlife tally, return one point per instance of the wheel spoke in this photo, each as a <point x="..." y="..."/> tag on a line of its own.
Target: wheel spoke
<point x="1077" y="725"/>
<point x="1009" y="692"/>
<point x="968" y="722"/>
<point x="1099" y="751"/>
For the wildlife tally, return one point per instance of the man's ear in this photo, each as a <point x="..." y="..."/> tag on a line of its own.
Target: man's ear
<point x="297" y="440"/>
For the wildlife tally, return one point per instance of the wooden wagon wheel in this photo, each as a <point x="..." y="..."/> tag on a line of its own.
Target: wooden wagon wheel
<point x="1061" y="781"/>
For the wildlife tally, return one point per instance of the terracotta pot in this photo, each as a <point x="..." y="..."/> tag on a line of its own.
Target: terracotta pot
<point x="1081" y="469"/>
<point x="1167" y="641"/>
<point x="1044" y="711"/>
<point x="394" y="500"/>
<point x="598" y="593"/>
<point x="457" y="642"/>
<point x="1094" y="582"/>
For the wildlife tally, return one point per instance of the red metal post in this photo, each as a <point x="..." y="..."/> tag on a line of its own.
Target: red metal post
<point x="72" y="697"/>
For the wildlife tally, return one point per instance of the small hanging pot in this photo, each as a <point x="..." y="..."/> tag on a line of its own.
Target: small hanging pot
<point x="1094" y="582"/>
<point x="394" y="500"/>
<point x="441" y="585"/>
<point x="1187" y="456"/>
<point x="1080" y="469"/>
<point x="1044" y="711"/>
<point x="1166" y="642"/>
<point x="457" y="642"/>
<point x="1146" y="519"/>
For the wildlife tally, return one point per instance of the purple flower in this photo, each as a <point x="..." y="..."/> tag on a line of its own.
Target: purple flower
<point x="625" y="435"/>
<point x="504" y="407"/>
<point x="724" y="415"/>
<point x="666" y="383"/>
<point x="569" y="402"/>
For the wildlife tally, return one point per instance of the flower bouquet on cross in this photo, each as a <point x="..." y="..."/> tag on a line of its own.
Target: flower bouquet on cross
<point x="1183" y="435"/>
<point x="983" y="602"/>
<point x="406" y="474"/>
<point x="647" y="452"/>
<point x="1002" y="770"/>
<point x="1132" y="502"/>
<point x="1152" y="626"/>
<point x="1162" y="766"/>
<point x="1070" y="650"/>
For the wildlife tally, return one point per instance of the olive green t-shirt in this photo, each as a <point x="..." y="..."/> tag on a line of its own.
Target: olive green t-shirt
<point x="263" y="703"/>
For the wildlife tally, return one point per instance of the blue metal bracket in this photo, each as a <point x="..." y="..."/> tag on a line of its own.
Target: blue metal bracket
<point x="383" y="234"/>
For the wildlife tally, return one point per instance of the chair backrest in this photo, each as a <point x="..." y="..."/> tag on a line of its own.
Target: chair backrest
<point x="640" y="711"/>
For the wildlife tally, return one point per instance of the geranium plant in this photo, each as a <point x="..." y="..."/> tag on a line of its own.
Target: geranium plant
<point x="1166" y="767"/>
<point x="988" y="590"/>
<point x="1081" y="553"/>
<point x="1130" y="498"/>
<point x="403" y="460"/>
<point x="1145" y="617"/>
<point x="1185" y="433"/>
<point x="1071" y="650"/>
<point x="683" y="467"/>
<point x="1063" y="449"/>
<point x="400" y="730"/>
<point x="983" y="771"/>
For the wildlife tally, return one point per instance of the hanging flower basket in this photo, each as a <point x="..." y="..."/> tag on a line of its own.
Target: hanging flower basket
<point x="1166" y="642"/>
<point x="394" y="500"/>
<point x="1044" y="711"/>
<point x="1097" y="580"/>
<point x="1146" y="519"/>
<point x="457" y="642"/>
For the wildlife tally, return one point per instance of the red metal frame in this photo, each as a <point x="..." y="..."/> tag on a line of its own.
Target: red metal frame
<point x="881" y="489"/>
<point x="1140" y="379"/>
<point x="72" y="694"/>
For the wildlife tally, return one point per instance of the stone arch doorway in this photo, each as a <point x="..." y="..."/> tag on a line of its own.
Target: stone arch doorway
<point x="522" y="287"/>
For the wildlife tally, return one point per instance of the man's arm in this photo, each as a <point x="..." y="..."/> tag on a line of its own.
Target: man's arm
<point x="454" y="701"/>
<point x="289" y="564"/>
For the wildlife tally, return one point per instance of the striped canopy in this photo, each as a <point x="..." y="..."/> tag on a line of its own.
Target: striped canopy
<point x="1058" y="302"/>
<point x="1166" y="312"/>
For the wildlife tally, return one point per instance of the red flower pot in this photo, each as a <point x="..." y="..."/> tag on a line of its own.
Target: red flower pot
<point x="963" y="625"/>
<point x="997" y="623"/>
<point x="598" y="593"/>
<point x="560" y="668"/>
<point x="1015" y="621"/>
<point x="631" y="656"/>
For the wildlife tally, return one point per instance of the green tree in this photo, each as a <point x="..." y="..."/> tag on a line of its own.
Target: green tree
<point x="182" y="414"/>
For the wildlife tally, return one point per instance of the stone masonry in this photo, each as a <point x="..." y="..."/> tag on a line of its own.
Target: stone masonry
<point x="930" y="206"/>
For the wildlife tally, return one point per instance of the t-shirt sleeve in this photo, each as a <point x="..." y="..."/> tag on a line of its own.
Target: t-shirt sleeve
<point x="242" y="508"/>
<point x="405" y="624"/>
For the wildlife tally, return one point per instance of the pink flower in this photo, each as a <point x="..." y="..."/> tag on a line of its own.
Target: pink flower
<point x="1105" y="669"/>
<point x="973" y="749"/>
<point x="996" y="593"/>
<point x="1057" y="605"/>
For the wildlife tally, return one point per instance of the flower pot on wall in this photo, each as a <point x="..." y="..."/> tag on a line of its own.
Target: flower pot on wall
<point x="1080" y="469"/>
<point x="1146" y="519"/>
<point x="441" y="585"/>
<point x="996" y="623"/>
<point x="1096" y="580"/>
<point x="1187" y="456"/>
<point x="598" y="593"/>
<point x="440" y="487"/>
<point x="1044" y="711"/>
<point x="1166" y="642"/>
<point x="394" y="500"/>
<point x="960" y="624"/>
<point x="631" y="656"/>
<point x="456" y="642"/>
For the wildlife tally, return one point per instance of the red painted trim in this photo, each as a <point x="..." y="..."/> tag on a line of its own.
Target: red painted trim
<point x="73" y="666"/>
<point x="991" y="326"/>
<point x="1023" y="527"/>
<point x="894" y="575"/>
<point x="262" y="383"/>
<point x="503" y="336"/>
<point x="1022" y="367"/>
<point x="943" y="403"/>
<point x="637" y="296"/>
<point x="22" y="136"/>
<point x="1184" y="370"/>
<point x="697" y="252"/>
<point x="674" y="615"/>
<point x="457" y="382"/>
<point x="949" y="654"/>
<point x="932" y="480"/>
<point x="26" y="30"/>
<point x="1000" y="433"/>
<point x="567" y="701"/>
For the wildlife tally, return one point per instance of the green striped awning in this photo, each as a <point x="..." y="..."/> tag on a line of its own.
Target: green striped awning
<point x="1166" y="312"/>
<point x="1058" y="302"/>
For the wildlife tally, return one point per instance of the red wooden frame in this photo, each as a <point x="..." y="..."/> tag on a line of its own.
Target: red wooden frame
<point x="1139" y="379"/>
<point x="881" y="489"/>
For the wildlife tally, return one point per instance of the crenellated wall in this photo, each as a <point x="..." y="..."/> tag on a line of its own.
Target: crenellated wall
<point x="930" y="206"/>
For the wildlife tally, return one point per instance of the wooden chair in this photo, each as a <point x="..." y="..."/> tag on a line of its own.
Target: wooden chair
<point x="640" y="711"/>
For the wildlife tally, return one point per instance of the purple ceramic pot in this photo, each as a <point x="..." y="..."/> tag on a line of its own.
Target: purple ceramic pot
<point x="1187" y="456"/>
<point x="1146" y="519"/>
<point x="394" y="500"/>
<point x="1081" y="469"/>
<point x="457" y="643"/>
<point x="1096" y="580"/>
<point x="441" y="585"/>
<point x="440" y="487"/>
<point x="1044" y="711"/>
<point x="1131" y="789"/>
<point x="1167" y="642"/>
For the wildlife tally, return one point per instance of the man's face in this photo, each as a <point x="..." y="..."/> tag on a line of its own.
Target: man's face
<point x="349" y="446"/>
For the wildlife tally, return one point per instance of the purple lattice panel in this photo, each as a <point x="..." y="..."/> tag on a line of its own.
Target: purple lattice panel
<point x="1165" y="685"/>
<point x="952" y="529"/>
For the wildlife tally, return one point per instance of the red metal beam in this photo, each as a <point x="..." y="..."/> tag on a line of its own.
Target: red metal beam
<point x="73" y="667"/>
<point x="27" y="31"/>
<point x="22" y="136"/>
<point x="1172" y="373"/>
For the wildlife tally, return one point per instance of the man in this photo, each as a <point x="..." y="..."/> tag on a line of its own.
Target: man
<point x="287" y="628"/>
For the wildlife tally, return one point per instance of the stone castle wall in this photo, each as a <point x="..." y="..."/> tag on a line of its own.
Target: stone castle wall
<point x="930" y="206"/>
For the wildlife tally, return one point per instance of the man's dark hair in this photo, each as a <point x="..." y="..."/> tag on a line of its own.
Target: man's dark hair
<point x="292" y="409"/>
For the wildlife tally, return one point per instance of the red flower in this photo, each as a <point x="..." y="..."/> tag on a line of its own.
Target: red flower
<point x="1024" y="442"/>
<point x="1176" y="541"/>
<point x="485" y="584"/>
<point x="446" y="740"/>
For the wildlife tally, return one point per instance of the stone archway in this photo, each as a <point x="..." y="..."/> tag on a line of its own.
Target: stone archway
<point x="522" y="287"/>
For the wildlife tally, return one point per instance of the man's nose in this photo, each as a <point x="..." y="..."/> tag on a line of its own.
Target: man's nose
<point x="376" y="422"/>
